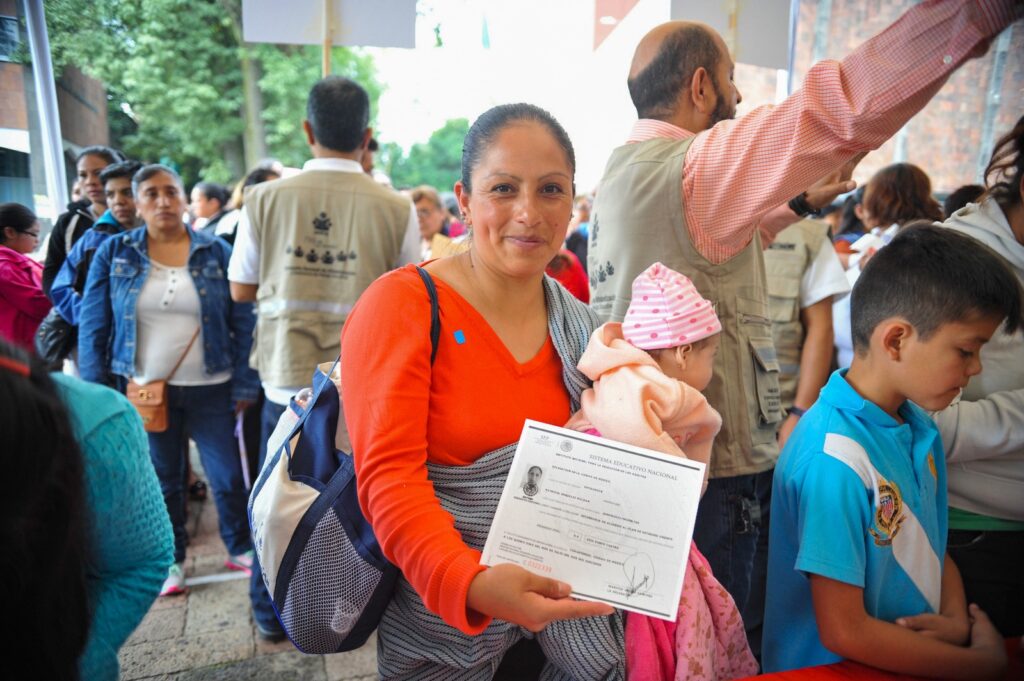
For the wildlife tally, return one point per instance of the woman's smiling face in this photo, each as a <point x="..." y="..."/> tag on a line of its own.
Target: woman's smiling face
<point x="521" y="200"/>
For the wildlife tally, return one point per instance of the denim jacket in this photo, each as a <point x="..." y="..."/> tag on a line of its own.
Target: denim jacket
<point x="107" y="324"/>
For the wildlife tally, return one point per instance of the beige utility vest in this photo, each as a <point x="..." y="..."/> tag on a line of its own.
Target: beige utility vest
<point x="637" y="220"/>
<point x="785" y="262"/>
<point x="324" y="236"/>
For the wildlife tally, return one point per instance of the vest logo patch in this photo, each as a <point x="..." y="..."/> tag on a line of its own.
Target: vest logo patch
<point x="889" y="514"/>
<point x="603" y="272"/>
<point x="322" y="223"/>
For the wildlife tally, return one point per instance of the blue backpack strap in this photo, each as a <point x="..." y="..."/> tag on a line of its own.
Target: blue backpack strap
<point x="435" y="312"/>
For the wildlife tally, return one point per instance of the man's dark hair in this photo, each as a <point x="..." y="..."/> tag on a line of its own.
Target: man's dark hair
<point x="122" y="169"/>
<point x="485" y="130"/>
<point x="338" y="110"/>
<point x="654" y="90"/>
<point x="969" y="193"/>
<point x="931" y="276"/>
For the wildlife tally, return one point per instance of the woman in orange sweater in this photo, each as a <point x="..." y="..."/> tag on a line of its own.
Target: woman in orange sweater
<point x="433" y="443"/>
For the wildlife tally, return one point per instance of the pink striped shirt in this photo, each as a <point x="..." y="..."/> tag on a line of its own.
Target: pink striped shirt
<point x="738" y="173"/>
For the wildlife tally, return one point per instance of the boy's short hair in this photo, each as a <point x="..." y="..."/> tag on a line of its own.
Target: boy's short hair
<point x="930" y="276"/>
<point x="123" y="169"/>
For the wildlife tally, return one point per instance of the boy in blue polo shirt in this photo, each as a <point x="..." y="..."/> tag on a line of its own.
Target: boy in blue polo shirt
<point x="857" y="553"/>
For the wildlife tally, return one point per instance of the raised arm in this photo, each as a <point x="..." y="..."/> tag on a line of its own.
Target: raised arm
<point x="776" y="152"/>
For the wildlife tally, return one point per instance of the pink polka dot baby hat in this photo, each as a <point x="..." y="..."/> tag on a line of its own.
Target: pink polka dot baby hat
<point x="667" y="311"/>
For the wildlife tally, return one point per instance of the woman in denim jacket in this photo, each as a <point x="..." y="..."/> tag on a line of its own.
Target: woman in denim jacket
<point x="149" y="293"/>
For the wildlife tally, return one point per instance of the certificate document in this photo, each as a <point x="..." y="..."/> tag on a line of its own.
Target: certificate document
<point x="613" y="521"/>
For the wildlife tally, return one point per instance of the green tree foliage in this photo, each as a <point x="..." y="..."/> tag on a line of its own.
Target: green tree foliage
<point x="438" y="162"/>
<point x="175" y="73"/>
<point x="287" y="70"/>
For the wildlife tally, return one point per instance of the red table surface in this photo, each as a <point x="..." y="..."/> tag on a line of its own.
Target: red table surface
<point x="853" y="671"/>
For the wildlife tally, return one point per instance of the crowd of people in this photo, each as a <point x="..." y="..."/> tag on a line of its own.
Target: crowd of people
<point x="726" y="294"/>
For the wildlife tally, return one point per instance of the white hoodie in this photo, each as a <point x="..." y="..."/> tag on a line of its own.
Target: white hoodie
<point x="988" y="422"/>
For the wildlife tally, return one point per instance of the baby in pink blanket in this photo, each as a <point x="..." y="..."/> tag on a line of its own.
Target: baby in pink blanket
<point x="648" y="372"/>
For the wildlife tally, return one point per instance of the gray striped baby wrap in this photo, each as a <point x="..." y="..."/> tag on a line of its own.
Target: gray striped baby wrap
<point x="414" y="643"/>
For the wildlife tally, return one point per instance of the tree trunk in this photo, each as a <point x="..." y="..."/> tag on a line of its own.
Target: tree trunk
<point x="254" y="137"/>
<point x="234" y="154"/>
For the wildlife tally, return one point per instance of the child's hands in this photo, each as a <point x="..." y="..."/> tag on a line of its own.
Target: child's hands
<point x="988" y="643"/>
<point x="949" y="628"/>
<point x="516" y="595"/>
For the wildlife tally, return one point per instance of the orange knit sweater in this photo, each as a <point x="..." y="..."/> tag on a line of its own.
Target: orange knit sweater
<point x="402" y="413"/>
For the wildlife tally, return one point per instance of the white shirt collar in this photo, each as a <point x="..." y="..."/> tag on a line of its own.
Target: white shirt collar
<point x="340" y="164"/>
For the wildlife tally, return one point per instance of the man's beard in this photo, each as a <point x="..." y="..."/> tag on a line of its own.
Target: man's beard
<point x="723" y="107"/>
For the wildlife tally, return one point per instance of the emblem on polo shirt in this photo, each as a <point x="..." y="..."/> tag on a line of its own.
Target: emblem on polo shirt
<point x="322" y="223"/>
<point x="889" y="514"/>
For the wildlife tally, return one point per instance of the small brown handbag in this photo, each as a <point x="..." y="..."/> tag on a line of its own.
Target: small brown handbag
<point x="150" y="400"/>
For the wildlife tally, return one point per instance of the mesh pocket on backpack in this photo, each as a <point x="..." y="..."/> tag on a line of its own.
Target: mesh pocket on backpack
<point x="327" y="592"/>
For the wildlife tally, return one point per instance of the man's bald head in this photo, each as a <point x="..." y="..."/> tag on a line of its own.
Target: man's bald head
<point x="664" y="63"/>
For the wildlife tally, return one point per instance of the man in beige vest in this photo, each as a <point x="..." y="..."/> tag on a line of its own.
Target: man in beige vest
<point x="803" y="274"/>
<point x="695" y="190"/>
<point x="307" y="246"/>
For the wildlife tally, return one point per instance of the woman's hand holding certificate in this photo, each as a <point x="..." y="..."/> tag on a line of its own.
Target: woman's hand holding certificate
<point x="513" y="594"/>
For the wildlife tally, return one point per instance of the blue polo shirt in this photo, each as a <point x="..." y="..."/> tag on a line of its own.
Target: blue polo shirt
<point x="859" y="498"/>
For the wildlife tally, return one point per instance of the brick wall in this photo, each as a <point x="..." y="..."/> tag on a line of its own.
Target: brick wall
<point x="946" y="136"/>
<point x="82" y="102"/>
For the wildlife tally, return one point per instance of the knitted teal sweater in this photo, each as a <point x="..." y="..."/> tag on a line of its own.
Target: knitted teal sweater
<point x="130" y="540"/>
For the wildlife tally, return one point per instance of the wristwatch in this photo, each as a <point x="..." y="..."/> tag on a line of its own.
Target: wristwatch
<point x="798" y="204"/>
<point x="796" y="411"/>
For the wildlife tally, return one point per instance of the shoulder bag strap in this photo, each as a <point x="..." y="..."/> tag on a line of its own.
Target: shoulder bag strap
<point x="435" y="312"/>
<point x="182" y="358"/>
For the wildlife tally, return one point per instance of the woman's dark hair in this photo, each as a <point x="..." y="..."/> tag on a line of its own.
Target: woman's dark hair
<point x="43" y="526"/>
<point x="122" y="169"/>
<point x="338" y="110"/>
<point x="257" y="175"/>
<point x="217" y="192"/>
<point x="899" y="193"/>
<point x="17" y="217"/>
<point x="148" y="171"/>
<point x="1006" y="169"/>
<point x="106" y="153"/>
<point x="491" y="122"/>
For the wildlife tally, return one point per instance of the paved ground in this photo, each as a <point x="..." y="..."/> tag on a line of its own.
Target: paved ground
<point x="208" y="633"/>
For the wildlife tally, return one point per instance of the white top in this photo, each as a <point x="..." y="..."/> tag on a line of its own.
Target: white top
<point x="823" y="277"/>
<point x="841" y="322"/>
<point x="244" y="266"/>
<point x="167" y="314"/>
